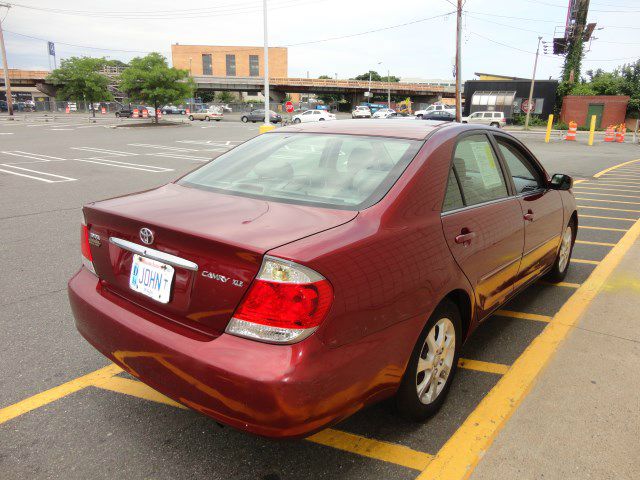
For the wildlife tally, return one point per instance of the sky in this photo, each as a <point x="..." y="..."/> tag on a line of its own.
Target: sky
<point x="410" y="38"/>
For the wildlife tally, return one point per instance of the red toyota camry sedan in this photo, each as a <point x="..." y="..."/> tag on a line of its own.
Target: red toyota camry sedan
<point x="319" y="268"/>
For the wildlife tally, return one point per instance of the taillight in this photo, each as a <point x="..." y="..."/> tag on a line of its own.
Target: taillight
<point x="286" y="303"/>
<point x="87" y="259"/>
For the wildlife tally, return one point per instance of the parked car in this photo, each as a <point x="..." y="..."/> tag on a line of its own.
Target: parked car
<point x="127" y="111"/>
<point x="442" y="115"/>
<point x="207" y="114"/>
<point x="173" y="110"/>
<point x="361" y="112"/>
<point x="226" y="108"/>
<point x="257" y="115"/>
<point x="494" y="119"/>
<point x="385" y="113"/>
<point x="4" y="107"/>
<point x="436" y="107"/>
<point x="313" y="116"/>
<point x="320" y="259"/>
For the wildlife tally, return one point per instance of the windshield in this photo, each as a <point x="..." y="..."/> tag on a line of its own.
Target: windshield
<point x="342" y="171"/>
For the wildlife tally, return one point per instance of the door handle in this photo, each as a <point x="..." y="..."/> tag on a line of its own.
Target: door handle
<point x="465" y="237"/>
<point x="529" y="216"/>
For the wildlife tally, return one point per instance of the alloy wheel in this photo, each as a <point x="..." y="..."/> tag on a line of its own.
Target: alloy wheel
<point x="436" y="360"/>
<point x="565" y="249"/>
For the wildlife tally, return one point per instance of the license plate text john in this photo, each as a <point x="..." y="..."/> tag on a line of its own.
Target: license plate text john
<point x="151" y="278"/>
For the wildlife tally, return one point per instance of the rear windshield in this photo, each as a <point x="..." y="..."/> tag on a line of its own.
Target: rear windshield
<point x="339" y="171"/>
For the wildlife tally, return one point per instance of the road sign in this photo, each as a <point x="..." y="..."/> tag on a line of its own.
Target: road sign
<point x="289" y="107"/>
<point x="525" y="107"/>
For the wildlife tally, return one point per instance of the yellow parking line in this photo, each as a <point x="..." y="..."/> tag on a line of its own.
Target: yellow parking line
<point x="609" y="208"/>
<point x="43" y="398"/>
<point x="605" y="184"/>
<point x="561" y="284"/>
<point x="385" y="451"/>
<point x="588" y="262"/>
<point x="524" y="316"/>
<point x="459" y="456"/>
<point x="609" y="218"/>
<point x="575" y="182"/>
<point x="621" y="175"/>
<point x="602" y="172"/>
<point x="349" y="442"/>
<point x="607" y="201"/>
<point x="481" y="366"/>
<point x="588" y="227"/>
<point x="618" y="189"/>
<point x="608" y="194"/>
<point x="601" y="244"/>
<point x="135" y="389"/>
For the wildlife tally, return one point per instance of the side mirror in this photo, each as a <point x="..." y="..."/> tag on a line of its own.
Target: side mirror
<point x="560" y="181"/>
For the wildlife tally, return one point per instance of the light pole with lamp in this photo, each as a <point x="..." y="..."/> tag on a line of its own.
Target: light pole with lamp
<point x="533" y="81"/>
<point x="267" y="120"/>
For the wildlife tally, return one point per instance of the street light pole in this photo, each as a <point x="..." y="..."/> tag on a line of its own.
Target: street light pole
<point x="533" y="81"/>
<point x="267" y="116"/>
<point x="388" y="89"/>
<point x="5" y="66"/>
<point x="458" y="60"/>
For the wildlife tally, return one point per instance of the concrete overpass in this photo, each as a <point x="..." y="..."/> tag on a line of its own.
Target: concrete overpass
<point x="26" y="81"/>
<point x="354" y="89"/>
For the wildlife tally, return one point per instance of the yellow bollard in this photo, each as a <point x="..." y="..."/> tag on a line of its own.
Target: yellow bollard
<point x="592" y="129"/>
<point x="549" y="124"/>
<point x="266" y="128"/>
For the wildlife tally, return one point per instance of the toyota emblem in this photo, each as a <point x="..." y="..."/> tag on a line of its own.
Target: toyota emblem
<point x="146" y="236"/>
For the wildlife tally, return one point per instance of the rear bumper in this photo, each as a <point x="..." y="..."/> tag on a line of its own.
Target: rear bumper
<point x="271" y="390"/>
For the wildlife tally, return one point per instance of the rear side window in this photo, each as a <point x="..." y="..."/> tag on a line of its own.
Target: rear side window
<point x="478" y="170"/>
<point x="453" y="197"/>
<point x="342" y="171"/>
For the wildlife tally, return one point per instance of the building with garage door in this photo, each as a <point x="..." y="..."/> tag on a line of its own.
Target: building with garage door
<point x="608" y="109"/>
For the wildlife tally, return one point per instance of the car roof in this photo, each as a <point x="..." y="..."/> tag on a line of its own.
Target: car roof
<point x="397" y="128"/>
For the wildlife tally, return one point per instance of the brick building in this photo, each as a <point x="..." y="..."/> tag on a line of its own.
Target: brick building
<point x="229" y="61"/>
<point x="609" y="109"/>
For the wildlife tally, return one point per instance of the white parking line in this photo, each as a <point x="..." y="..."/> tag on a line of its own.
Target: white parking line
<point x="6" y="133"/>
<point x="178" y="156"/>
<point x="62" y="178"/>
<point x="162" y="147"/>
<point x="212" y="143"/>
<point x="132" y="166"/>
<point x="105" y="151"/>
<point x="38" y="157"/>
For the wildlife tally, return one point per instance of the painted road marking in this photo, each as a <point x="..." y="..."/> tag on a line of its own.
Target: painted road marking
<point x="601" y="244"/>
<point x="6" y="133"/>
<point x="606" y="170"/>
<point x="179" y="156"/>
<point x="588" y="227"/>
<point x="34" y="156"/>
<point x="132" y="166"/>
<point x="609" y="208"/>
<point x="609" y="218"/>
<point x="59" y="178"/>
<point x="608" y="194"/>
<point x="607" y="201"/>
<point x="367" y="447"/>
<point x="105" y="151"/>
<point x="560" y="284"/>
<point x="523" y="315"/>
<point x="621" y="175"/>
<point x="480" y="366"/>
<point x="603" y="184"/>
<point x="162" y="147"/>
<point x="589" y="187"/>
<point x="589" y="262"/>
<point x="40" y="399"/>
<point x="459" y="456"/>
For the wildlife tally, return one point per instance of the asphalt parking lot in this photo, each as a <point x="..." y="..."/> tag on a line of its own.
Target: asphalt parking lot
<point x="66" y="413"/>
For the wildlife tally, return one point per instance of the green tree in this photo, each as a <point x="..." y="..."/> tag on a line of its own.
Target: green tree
<point x="376" y="77"/>
<point x="149" y="79"/>
<point x="207" y="96"/>
<point x="79" y="79"/>
<point x="225" y="97"/>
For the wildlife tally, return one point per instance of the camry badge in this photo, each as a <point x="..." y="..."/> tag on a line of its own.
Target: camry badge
<point x="146" y="236"/>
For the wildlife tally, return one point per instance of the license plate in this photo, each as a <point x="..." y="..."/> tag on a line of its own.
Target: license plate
<point x="151" y="278"/>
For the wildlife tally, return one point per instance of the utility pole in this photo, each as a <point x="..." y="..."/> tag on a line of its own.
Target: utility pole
<point x="388" y="89"/>
<point x="5" y="66"/>
<point x="458" y="60"/>
<point x="267" y="116"/>
<point x="533" y="81"/>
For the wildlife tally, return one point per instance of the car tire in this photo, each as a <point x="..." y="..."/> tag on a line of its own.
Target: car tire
<point x="217" y="119"/>
<point x="442" y="333"/>
<point x="561" y="264"/>
<point x="494" y="124"/>
<point x="464" y="121"/>
<point x="296" y="120"/>
<point x="321" y="119"/>
<point x="117" y="114"/>
<point x="419" y="116"/>
<point x="191" y="118"/>
<point x="244" y="119"/>
<point x="207" y="118"/>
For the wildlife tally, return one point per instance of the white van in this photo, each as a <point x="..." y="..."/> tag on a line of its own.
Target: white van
<point x="436" y="107"/>
<point x="494" y="119"/>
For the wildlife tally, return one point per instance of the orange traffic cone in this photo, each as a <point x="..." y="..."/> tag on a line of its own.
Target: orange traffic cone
<point x="571" y="133"/>
<point x="622" y="129"/>
<point x="609" y="134"/>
